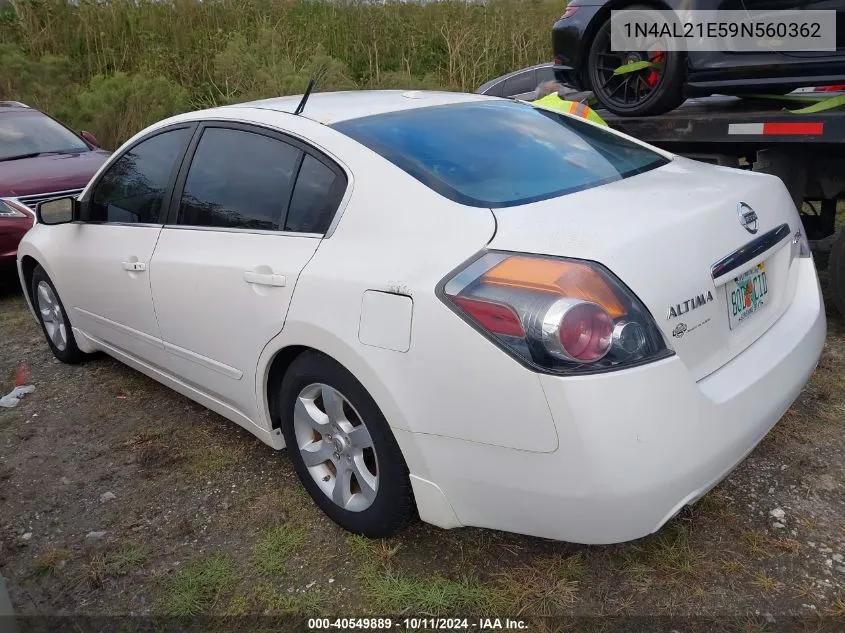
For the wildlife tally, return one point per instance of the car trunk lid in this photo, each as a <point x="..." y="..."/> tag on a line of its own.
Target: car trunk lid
<point x="662" y="232"/>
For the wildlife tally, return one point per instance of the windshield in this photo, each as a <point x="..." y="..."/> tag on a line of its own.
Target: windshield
<point x="24" y="134"/>
<point x="500" y="153"/>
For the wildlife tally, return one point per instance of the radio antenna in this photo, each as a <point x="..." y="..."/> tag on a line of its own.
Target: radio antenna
<point x="318" y="75"/>
<point x="304" y="100"/>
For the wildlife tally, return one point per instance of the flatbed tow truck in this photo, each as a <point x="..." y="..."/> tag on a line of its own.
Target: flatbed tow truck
<point x="807" y="151"/>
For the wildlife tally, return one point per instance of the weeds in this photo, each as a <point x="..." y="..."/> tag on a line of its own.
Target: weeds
<point x="130" y="556"/>
<point x="765" y="582"/>
<point x="837" y="608"/>
<point x="395" y="591"/>
<point x="266" y="598"/>
<point x="546" y="587"/>
<point x="274" y="550"/>
<point x="669" y="552"/>
<point x="198" y="586"/>
<point x="50" y="560"/>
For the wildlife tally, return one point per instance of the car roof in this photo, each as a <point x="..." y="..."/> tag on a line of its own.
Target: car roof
<point x="14" y="106"/>
<point x="331" y="107"/>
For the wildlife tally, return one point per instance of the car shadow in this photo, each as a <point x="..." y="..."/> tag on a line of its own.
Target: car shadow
<point x="10" y="286"/>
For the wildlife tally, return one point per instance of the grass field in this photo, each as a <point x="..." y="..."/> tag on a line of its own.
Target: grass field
<point x="113" y="67"/>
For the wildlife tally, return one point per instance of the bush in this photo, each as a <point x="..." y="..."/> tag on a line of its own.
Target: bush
<point x="118" y="106"/>
<point x="40" y="82"/>
<point x="259" y="67"/>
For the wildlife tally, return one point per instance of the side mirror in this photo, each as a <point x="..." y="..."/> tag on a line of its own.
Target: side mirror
<point x="57" y="211"/>
<point x="90" y="139"/>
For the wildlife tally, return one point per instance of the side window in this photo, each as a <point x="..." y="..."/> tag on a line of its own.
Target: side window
<point x="132" y="189"/>
<point x="317" y="194"/>
<point x="239" y="180"/>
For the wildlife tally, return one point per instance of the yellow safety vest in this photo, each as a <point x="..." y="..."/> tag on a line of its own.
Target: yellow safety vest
<point x="571" y="107"/>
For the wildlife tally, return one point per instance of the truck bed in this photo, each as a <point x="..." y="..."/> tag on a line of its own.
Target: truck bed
<point x="716" y="124"/>
<point x="732" y="123"/>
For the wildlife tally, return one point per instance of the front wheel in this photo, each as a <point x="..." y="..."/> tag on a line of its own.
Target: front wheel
<point x="53" y="318"/>
<point x="634" y="83"/>
<point x="342" y="448"/>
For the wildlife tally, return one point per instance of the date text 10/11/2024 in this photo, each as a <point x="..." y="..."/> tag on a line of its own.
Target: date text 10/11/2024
<point x="422" y="623"/>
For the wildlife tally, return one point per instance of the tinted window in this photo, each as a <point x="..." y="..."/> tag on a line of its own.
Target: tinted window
<point x="25" y="133"/>
<point x="315" y="198"/>
<point x="132" y="189"/>
<point x="500" y="153"/>
<point x="238" y="180"/>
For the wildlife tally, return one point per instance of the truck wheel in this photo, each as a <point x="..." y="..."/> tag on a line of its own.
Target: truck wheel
<point x="836" y="272"/>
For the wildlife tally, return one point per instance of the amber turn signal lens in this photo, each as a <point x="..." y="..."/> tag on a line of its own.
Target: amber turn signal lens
<point x="570" y="279"/>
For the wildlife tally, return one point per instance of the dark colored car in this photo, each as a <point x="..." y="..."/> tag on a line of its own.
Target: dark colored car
<point x="39" y="159"/>
<point x="584" y="59"/>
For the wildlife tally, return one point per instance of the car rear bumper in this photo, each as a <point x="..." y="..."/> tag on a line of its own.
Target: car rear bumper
<point x="636" y="446"/>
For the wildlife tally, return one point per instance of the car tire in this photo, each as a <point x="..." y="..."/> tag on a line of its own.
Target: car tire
<point x="323" y="407"/>
<point x="667" y="95"/>
<point x="836" y="272"/>
<point x="53" y="318"/>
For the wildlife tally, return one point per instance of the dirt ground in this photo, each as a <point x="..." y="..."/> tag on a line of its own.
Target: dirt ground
<point x="118" y="496"/>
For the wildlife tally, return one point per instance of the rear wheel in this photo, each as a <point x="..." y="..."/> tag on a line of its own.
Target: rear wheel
<point x="654" y="86"/>
<point x="342" y="448"/>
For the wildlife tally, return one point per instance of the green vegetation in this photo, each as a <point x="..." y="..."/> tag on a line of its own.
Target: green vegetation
<point x="268" y="599"/>
<point x="668" y="552"/>
<point x="129" y="557"/>
<point x="395" y="591"/>
<point x="115" y="66"/>
<point x="196" y="588"/>
<point x="277" y="546"/>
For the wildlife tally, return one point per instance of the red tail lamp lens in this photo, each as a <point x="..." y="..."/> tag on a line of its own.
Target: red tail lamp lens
<point x="586" y="332"/>
<point x="495" y="317"/>
<point x="568" y="12"/>
<point x="554" y="314"/>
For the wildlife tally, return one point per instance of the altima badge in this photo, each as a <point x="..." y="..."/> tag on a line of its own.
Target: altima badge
<point x="690" y="304"/>
<point x="747" y="217"/>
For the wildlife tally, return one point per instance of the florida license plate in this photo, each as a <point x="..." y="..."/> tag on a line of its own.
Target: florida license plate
<point x="747" y="295"/>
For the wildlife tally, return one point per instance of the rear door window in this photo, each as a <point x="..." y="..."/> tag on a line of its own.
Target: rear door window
<point x="500" y="153"/>
<point x="239" y="180"/>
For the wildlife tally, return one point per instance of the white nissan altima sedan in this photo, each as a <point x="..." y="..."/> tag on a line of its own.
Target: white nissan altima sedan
<point x="494" y="314"/>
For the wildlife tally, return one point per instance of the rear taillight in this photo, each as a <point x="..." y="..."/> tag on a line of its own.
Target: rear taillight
<point x="568" y="12"/>
<point x="555" y="314"/>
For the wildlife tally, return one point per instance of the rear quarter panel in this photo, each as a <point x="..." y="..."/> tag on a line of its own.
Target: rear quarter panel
<point x="396" y="235"/>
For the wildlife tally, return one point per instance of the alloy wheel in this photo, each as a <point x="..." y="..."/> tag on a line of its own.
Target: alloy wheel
<point x="50" y="311"/>
<point x="628" y="89"/>
<point x="336" y="447"/>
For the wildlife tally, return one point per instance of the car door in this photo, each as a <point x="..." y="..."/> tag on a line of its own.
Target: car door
<point x="249" y="209"/>
<point x="103" y="262"/>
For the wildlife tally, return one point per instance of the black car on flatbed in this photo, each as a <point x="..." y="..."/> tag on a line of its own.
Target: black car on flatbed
<point x="584" y="57"/>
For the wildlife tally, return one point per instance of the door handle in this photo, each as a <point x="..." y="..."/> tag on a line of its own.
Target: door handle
<point x="134" y="266"/>
<point x="264" y="279"/>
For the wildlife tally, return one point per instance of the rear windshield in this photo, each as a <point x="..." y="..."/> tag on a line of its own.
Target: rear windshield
<point x="500" y="153"/>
